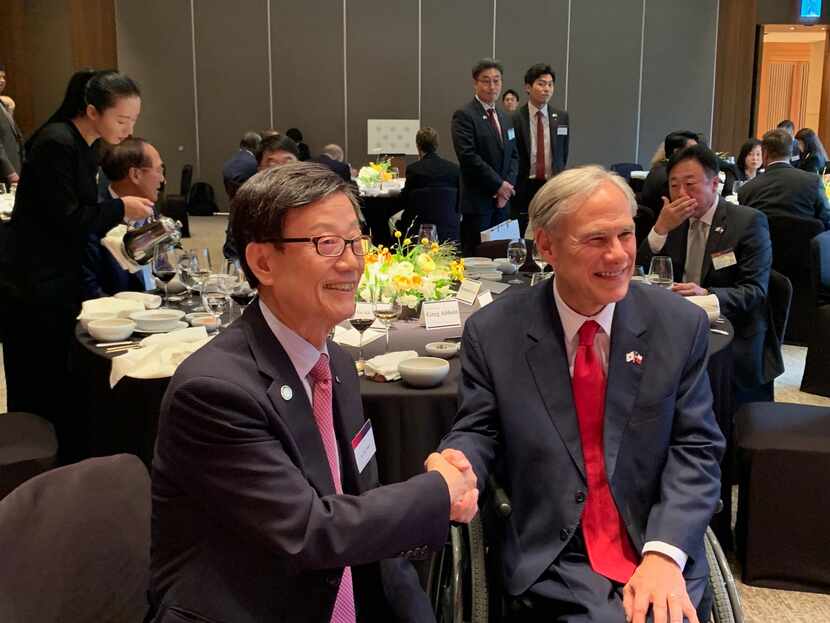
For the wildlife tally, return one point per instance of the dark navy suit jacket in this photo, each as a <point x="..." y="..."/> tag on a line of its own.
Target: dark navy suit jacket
<point x="661" y="441"/>
<point x="485" y="161"/>
<point x="246" y="526"/>
<point x="783" y="189"/>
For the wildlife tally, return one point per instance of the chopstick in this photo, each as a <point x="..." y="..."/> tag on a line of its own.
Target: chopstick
<point x="124" y="348"/>
<point x="109" y="344"/>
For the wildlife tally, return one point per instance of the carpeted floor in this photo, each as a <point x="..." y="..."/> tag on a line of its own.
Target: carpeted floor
<point x="760" y="605"/>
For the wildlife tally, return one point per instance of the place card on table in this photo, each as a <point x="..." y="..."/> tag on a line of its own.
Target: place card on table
<point x="441" y="314"/>
<point x="495" y="287"/>
<point x="468" y="291"/>
<point x="485" y="298"/>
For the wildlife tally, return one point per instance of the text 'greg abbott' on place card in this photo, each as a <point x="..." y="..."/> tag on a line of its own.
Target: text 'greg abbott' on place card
<point x="441" y="314"/>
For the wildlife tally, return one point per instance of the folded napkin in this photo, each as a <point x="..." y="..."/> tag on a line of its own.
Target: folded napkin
<point x="385" y="367"/>
<point x="160" y="355"/>
<point x="150" y="301"/>
<point x="119" y="306"/>
<point x="114" y="243"/>
<point x="709" y="304"/>
<point x="349" y="336"/>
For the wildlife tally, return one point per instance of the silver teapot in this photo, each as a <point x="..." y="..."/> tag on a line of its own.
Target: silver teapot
<point x="141" y="242"/>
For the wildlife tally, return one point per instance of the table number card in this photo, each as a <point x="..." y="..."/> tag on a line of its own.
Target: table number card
<point x="485" y="298"/>
<point x="441" y="314"/>
<point x="468" y="291"/>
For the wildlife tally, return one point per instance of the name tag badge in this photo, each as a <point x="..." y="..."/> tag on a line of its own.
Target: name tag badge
<point x="364" y="445"/>
<point x="724" y="259"/>
<point x="511" y="134"/>
<point x="485" y="298"/>
<point x="468" y="291"/>
<point x="562" y="130"/>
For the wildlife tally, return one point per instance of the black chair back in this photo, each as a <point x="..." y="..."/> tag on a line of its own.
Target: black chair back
<point x="624" y="169"/>
<point x="820" y="267"/>
<point x="439" y="206"/>
<point x="779" y="298"/>
<point x="643" y="222"/>
<point x="791" y="237"/>
<point x="187" y="179"/>
<point x="76" y="544"/>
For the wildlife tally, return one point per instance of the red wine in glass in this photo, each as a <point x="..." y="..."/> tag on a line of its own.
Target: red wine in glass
<point x="243" y="298"/>
<point x="165" y="275"/>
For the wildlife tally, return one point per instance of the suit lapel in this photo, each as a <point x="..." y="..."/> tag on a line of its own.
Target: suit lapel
<point x="525" y="127"/>
<point x="548" y="361"/>
<point x="346" y="426"/>
<point x="553" y="120"/>
<point x="714" y="242"/>
<point x="479" y="107"/>
<point x="289" y="399"/>
<point x="627" y="336"/>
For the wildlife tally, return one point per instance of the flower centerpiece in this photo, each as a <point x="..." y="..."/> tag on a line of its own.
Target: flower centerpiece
<point x="375" y="173"/>
<point x="411" y="272"/>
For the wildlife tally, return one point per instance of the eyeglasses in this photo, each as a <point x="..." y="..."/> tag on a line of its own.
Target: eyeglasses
<point x="331" y="246"/>
<point x="490" y="82"/>
<point x="159" y="170"/>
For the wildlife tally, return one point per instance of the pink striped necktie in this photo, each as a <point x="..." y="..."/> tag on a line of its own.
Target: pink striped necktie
<point x="344" y="611"/>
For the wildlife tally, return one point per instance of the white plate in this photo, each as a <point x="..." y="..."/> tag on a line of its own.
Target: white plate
<point x="150" y="301"/>
<point x="179" y="325"/>
<point x="477" y="261"/>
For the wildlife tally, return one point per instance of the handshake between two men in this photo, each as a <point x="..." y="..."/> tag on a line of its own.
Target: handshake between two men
<point x="461" y="482"/>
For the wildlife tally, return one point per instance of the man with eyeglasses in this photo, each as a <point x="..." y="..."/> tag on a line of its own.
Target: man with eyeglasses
<point x="133" y="168"/>
<point x="265" y="497"/>
<point x="485" y="144"/>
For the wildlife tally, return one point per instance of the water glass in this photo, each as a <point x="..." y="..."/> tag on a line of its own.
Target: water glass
<point x="428" y="231"/>
<point x="660" y="271"/>
<point x="516" y="254"/>
<point x="541" y="262"/>
<point x="639" y="274"/>
<point x="214" y="297"/>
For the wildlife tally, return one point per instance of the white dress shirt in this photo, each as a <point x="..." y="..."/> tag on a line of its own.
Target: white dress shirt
<point x="571" y="323"/>
<point x="532" y="110"/>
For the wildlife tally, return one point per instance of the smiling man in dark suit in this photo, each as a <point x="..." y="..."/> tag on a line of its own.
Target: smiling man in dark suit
<point x="538" y="123"/>
<point x="783" y="189"/>
<point x="722" y="251"/>
<point x="485" y="145"/>
<point x="591" y="394"/>
<point x="265" y="498"/>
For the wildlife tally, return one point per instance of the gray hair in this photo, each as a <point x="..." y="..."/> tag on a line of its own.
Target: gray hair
<point x="259" y="207"/>
<point x="335" y="152"/>
<point x="568" y="190"/>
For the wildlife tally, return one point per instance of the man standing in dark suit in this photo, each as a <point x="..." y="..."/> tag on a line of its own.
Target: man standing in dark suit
<point x="485" y="145"/>
<point x="783" y="189"/>
<point x="536" y="124"/>
<point x="242" y="165"/>
<point x="265" y="498"/>
<point x="591" y="395"/>
<point x="431" y="171"/>
<point x="11" y="140"/>
<point x="722" y="251"/>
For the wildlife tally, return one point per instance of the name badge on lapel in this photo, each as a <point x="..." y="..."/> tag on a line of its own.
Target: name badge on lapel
<point x="363" y="445"/>
<point x="562" y="130"/>
<point x="511" y="134"/>
<point x="724" y="259"/>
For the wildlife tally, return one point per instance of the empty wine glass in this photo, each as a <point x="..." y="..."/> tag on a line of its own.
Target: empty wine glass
<point x="540" y="260"/>
<point x="362" y="319"/>
<point x="660" y="271"/>
<point x="214" y="297"/>
<point x="516" y="254"/>
<point x="200" y="267"/>
<point x="164" y="265"/>
<point x="387" y="310"/>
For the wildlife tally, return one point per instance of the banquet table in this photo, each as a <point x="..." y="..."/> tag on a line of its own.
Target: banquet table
<point x="408" y="423"/>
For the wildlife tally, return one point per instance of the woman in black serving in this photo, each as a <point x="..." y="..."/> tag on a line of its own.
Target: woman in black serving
<point x="56" y="209"/>
<point x="813" y="156"/>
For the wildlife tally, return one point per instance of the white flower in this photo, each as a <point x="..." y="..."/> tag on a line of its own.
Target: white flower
<point x="444" y="291"/>
<point x="402" y="269"/>
<point x="427" y="289"/>
<point x="408" y="300"/>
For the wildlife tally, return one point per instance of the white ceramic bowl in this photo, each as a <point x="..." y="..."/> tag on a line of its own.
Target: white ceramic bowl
<point x="445" y="350"/>
<point x="87" y="318"/>
<point x="157" y="319"/>
<point x="202" y="319"/>
<point x="424" y="371"/>
<point x="111" y="330"/>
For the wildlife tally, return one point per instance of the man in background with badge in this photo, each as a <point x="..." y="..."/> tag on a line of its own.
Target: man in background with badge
<point x="720" y="251"/>
<point x="265" y="498"/>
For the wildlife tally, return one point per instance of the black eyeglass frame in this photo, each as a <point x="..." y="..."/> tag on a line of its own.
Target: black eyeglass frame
<point x="359" y="251"/>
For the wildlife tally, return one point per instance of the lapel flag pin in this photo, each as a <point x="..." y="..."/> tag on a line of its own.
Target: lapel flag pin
<point x="719" y="230"/>
<point x="634" y="357"/>
<point x="286" y="392"/>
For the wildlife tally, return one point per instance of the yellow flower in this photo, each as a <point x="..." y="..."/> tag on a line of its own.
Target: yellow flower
<point x="426" y="263"/>
<point x="397" y="234"/>
<point x="424" y="241"/>
<point x="385" y="176"/>
<point x="434" y="247"/>
<point x="407" y="241"/>
<point x="416" y="280"/>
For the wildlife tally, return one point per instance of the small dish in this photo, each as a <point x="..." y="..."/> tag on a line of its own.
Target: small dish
<point x="444" y="350"/>
<point x="157" y="319"/>
<point x="424" y="372"/>
<point x="111" y="330"/>
<point x="203" y="319"/>
<point x="180" y="324"/>
<point x="87" y="318"/>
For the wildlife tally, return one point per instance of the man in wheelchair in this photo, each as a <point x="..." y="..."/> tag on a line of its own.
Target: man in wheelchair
<point x="592" y="394"/>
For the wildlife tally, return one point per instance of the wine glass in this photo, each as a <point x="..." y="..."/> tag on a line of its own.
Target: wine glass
<point x="540" y="260"/>
<point x="428" y="231"/>
<point x="660" y="272"/>
<point x="361" y="320"/>
<point x="387" y="309"/>
<point x="164" y="265"/>
<point x="199" y="268"/>
<point x="516" y="254"/>
<point x="214" y="297"/>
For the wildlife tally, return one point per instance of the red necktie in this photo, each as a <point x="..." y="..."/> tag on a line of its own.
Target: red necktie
<point x="344" y="611"/>
<point x="540" y="146"/>
<point x="606" y="541"/>
<point x="491" y="116"/>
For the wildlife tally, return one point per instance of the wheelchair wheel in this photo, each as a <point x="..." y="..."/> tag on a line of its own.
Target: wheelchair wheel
<point x="726" y="606"/>
<point x="457" y="582"/>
